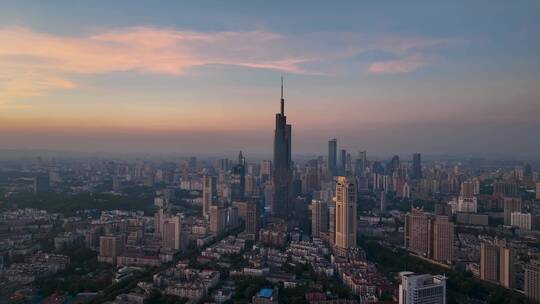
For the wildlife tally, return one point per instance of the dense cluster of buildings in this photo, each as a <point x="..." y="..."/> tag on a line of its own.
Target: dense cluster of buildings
<point x="263" y="218"/>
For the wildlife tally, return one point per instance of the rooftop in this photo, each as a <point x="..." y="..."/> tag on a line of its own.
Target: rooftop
<point x="265" y="293"/>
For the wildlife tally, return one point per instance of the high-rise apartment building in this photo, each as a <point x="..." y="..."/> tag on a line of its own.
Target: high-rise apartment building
<point x="159" y="217"/>
<point x="310" y="178"/>
<point x="429" y="236"/>
<point x="242" y="209"/>
<point x="332" y="223"/>
<point x="497" y="262"/>
<point x="209" y="194"/>
<point x="171" y="234"/>
<point x="232" y="217"/>
<point x="467" y="189"/>
<point x="346" y="218"/>
<point x="443" y="239"/>
<point x="507" y="260"/>
<point x="538" y="190"/>
<point x="319" y="218"/>
<point x="217" y="219"/>
<point x="532" y="280"/>
<point x="511" y="204"/>
<point x="418" y="232"/>
<point x="467" y="204"/>
<point x="422" y="289"/>
<point x="110" y="247"/>
<point x="266" y="171"/>
<point x="252" y="219"/>
<point x="522" y="220"/>
<point x="505" y="189"/>
<point x="489" y="262"/>
<point x="282" y="163"/>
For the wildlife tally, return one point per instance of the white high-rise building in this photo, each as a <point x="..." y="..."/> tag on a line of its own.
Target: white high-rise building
<point x="346" y="218"/>
<point x="422" y="289"/>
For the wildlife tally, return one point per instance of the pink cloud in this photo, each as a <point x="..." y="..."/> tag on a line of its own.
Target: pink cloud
<point x="32" y="62"/>
<point x="143" y="49"/>
<point x="403" y="65"/>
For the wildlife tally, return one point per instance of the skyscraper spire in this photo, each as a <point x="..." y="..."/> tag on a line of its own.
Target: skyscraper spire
<point x="282" y="100"/>
<point x="282" y="176"/>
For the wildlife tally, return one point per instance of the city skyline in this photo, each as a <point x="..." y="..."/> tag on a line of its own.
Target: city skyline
<point x="264" y="152"/>
<point x="186" y="81"/>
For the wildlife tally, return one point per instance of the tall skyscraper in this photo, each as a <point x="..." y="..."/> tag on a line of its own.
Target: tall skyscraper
<point x="342" y="161"/>
<point x="282" y="163"/>
<point x="532" y="280"/>
<point x="209" y="193"/>
<point x="319" y="218"/>
<point x="417" y="166"/>
<point x="422" y="289"/>
<point x="238" y="179"/>
<point x="332" y="156"/>
<point x="346" y="218"/>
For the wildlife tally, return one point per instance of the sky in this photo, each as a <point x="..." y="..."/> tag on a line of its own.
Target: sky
<point x="436" y="77"/>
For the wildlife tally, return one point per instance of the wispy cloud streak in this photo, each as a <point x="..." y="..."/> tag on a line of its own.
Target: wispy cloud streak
<point x="403" y="65"/>
<point x="34" y="63"/>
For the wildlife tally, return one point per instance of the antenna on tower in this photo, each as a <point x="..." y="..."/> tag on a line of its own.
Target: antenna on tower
<point x="282" y="100"/>
<point x="281" y="87"/>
